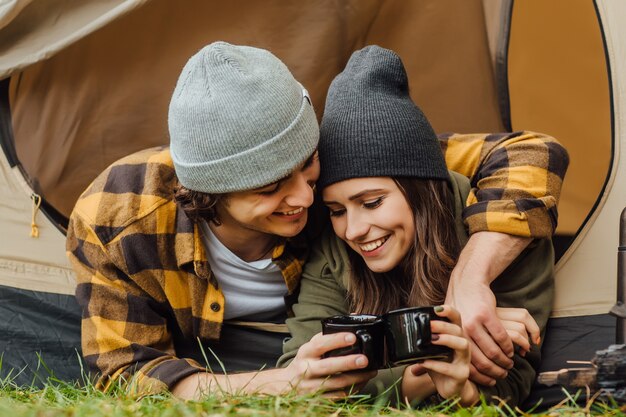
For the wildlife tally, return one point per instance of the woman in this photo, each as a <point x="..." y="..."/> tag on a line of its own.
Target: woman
<point x="396" y="213"/>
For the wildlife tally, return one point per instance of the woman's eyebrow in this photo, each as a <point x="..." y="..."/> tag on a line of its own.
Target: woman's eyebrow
<point x="358" y="195"/>
<point x="365" y="192"/>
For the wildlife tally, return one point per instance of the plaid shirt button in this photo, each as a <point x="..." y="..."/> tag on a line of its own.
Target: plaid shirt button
<point x="215" y="307"/>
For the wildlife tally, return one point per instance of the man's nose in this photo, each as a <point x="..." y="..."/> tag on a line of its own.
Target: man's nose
<point x="300" y="192"/>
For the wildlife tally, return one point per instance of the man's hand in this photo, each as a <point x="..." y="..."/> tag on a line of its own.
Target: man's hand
<point x="335" y="376"/>
<point x="491" y="346"/>
<point x="309" y="372"/>
<point x="484" y="257"/>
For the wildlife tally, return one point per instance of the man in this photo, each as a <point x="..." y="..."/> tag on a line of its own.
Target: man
<point x="193" y="253"/>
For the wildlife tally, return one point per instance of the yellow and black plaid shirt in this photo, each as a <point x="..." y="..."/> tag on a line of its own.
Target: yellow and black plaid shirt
<point x="143" y="277"/>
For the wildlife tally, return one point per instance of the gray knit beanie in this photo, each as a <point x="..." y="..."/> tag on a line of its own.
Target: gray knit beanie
<point x="372" y="128"/>
<point x="238" y="120"/>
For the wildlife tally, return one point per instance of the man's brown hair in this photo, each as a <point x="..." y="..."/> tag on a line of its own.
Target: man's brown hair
<point x="198" y="205"/>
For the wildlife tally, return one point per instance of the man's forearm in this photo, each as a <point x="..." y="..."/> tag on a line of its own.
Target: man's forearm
<point x="201" y="384"/>
<point x="486" y="255"/>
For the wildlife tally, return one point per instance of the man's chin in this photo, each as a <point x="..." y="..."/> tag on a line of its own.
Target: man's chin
<point x="291" y="230"/>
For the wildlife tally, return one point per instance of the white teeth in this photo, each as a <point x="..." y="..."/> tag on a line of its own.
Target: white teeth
<point x="292" y="212"/>
<point x="368" y="247"/>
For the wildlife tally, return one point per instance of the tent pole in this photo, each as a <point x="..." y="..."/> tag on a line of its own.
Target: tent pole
<point x="619" y="310"/>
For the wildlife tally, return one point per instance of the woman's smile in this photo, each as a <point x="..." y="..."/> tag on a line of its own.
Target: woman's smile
<point x="373" y="248"/>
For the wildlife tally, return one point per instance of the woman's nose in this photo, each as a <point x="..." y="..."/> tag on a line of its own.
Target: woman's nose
<point x="356" y="227"/>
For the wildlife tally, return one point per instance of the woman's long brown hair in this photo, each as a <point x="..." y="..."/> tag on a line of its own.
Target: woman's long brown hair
<point x="423" y="275"/>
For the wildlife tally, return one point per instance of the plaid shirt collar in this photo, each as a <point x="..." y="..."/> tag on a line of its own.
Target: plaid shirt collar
<point x="289" y="254"/>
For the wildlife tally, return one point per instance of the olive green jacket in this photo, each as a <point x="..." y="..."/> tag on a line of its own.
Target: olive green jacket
<point x="528" y="282"/>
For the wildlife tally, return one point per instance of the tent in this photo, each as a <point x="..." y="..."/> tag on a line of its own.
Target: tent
<point x="83" y="83"/>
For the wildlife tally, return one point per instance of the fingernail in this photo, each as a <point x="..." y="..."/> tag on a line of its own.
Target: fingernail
<point x="492" y="383"/>
<point x="538" y="341"/>
<point x="350" y="338"/>
<point x="434" y="337"/>
<point x="511" y="354"/>
<point x="361" y="361"/>
<point x="438" y="309"/>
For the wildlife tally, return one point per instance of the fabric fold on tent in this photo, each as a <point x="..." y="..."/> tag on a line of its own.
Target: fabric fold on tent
<point x="34" y="31"/>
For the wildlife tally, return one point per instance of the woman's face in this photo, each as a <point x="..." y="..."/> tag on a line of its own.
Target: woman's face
<point x="373" y="217"/>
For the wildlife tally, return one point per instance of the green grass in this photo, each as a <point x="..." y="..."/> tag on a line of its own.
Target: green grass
<point x="51" y="397"/>
<point x="57" y="398"/>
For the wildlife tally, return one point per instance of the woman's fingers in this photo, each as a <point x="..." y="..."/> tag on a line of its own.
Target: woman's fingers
<point x="459" y="343"/>
<point x="521" y="342"/>
<point x="452" y="370"/>
<point x="448" y="312"/>
<point x="521" y="315"/>
<point x="440" y="326"/>
<point x="519" y="336"/>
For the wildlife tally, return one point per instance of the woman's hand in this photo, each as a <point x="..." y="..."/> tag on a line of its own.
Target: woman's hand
<point x="450" y="378"/>
<point x="520" y="326"/>
<point x="336" y="376"/>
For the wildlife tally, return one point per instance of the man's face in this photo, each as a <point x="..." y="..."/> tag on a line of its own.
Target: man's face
<point x="278" y="209"/>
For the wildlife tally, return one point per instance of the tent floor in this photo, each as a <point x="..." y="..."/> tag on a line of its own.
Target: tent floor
<point x="570" y="339"/>
<point x="38" y="325"/>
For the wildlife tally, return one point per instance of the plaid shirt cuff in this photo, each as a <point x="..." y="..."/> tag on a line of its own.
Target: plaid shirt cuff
<point x="155" y="377"/>
<point x="533" y="217"/>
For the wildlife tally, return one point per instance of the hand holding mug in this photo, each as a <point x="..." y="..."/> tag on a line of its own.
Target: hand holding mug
<point x="408" y="332"/>
<point x="310" y="372"/>
<point x="450" y="378"/>
<point x="369" y="332"/>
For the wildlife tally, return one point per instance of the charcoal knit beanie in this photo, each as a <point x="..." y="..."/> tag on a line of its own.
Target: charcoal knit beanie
<point x="372" y="128"/>
<point x="238" y="120"/>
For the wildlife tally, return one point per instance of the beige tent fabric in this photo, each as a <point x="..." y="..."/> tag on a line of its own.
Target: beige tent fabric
<point x="494" y="13"/>
<point x="586" y="275"/>
<point x="33" y="31"/>
<point x="107" y="95"/>
<point x="568" y="97"/>
<point x="11" y="8"/>
<point x="558" y="84"/>
<point x="26" y="262"/>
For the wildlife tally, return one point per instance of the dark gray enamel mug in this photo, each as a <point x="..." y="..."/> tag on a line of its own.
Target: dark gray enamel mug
<point x="409" y="338"/>
<point x="370" y="334"/>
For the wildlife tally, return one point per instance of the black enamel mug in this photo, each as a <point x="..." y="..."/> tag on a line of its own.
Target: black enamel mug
<point x="370" y="334"/>
<point x="409" y="338"/>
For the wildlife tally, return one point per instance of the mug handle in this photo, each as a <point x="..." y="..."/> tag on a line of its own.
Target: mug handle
<point x="367" y="343"/>
<point x="423" y="321"/>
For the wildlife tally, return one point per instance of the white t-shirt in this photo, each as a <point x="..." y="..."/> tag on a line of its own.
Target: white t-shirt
<point x="253" y="291"/>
